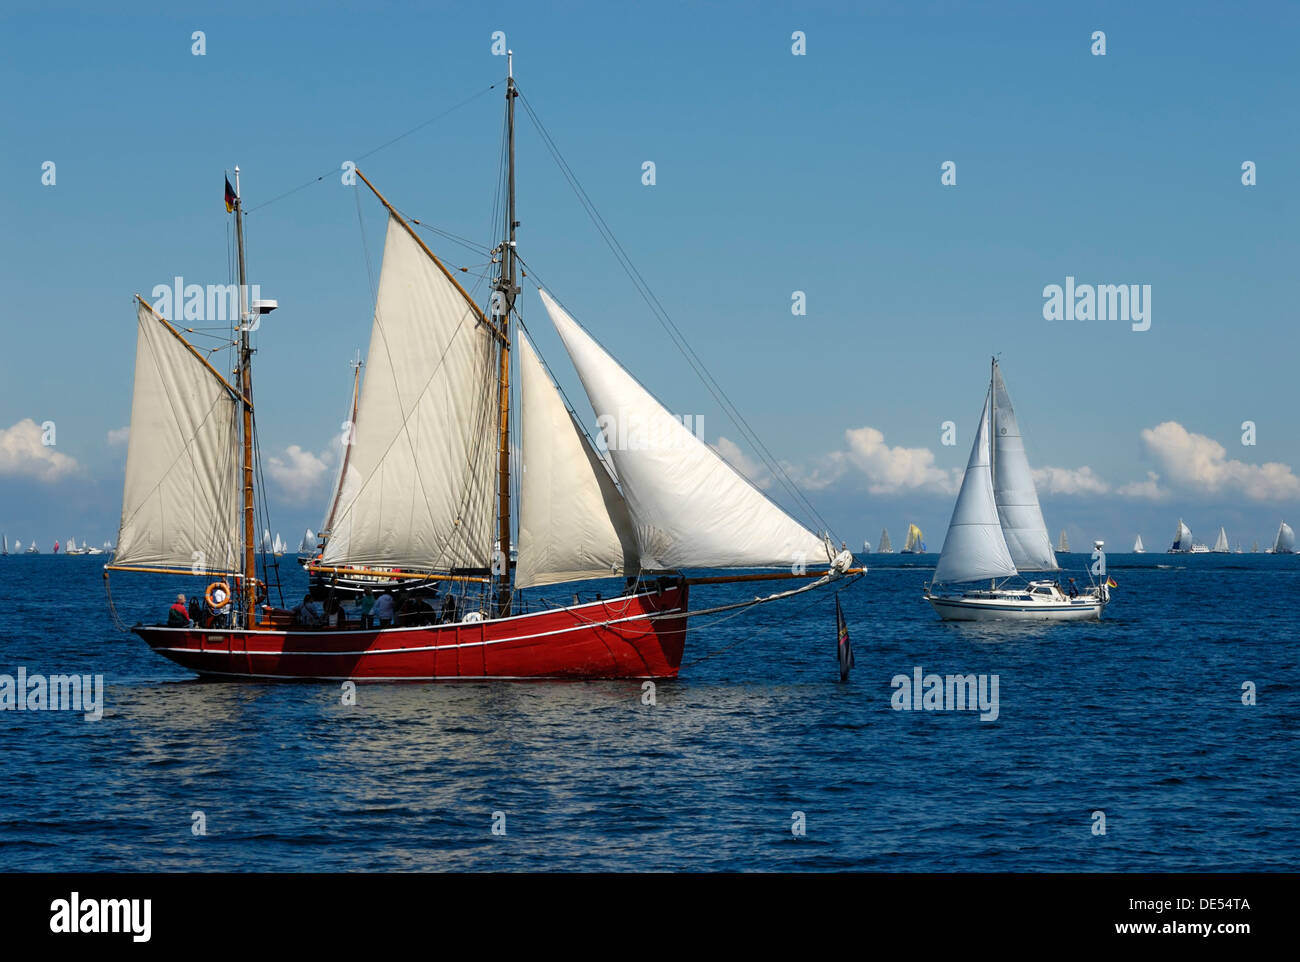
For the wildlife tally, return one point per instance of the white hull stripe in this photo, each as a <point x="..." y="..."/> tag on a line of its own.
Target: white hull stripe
<point x="400" y="651"/>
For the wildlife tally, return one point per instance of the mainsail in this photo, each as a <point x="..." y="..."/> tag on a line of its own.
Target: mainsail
<point x="1221" y="543"/>
<point x="1062" y="544"/>
<point x="181" y="498"/>
<point x="691" y="508"/>
<point x="1013" y="488"/>
<point x="1284" y="543"/>
<point x="1183" y="539"/>
<point x="974" y="547"/>
<point x="573" y="523"/>
<point x="418" y="489"/>
<point x="1137" y="546"/>
<point x="885" y="546"/>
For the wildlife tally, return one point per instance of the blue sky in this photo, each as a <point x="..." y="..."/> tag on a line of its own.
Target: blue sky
<point x="775" y="173"/>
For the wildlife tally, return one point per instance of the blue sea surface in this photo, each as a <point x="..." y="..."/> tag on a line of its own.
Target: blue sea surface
<point x="1140" y="716"/>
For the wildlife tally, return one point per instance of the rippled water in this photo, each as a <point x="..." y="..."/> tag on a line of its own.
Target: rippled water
<point x="1139" y="716"/>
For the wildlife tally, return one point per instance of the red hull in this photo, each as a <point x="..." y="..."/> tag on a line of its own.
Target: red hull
<point x="638" y="636"/>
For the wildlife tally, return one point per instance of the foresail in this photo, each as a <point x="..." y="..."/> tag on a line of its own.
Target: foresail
<point x="1284" y="543"/>
<point x="347" y="437"/>
<point x="180" y="501"/>
<point x="573" y="523"/>
<point x="418" y="488"/>
<point x="691" y="508"/>
<point x="974" y="547"/>
<point x="1021" y="516"/>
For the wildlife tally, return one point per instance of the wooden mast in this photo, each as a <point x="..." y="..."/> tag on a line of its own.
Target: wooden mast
<point x="246" y="389"/>
<point x="504" y="303"/>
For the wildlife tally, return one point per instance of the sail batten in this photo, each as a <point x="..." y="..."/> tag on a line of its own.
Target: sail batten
<point x="573" y="522"/>
<point x="1013" y="488"/>
<point x="691" y="508"/>
<point x="180" y="499"/>
<point x="417" y="489"/>
<point x="974" y="547"/>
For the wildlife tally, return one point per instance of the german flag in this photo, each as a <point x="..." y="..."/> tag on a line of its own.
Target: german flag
<point x="231" y="197"/>
<point x="1111" y="583"/>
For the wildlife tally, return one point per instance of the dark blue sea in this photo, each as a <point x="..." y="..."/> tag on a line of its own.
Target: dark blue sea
<point x="1139" y="717"/>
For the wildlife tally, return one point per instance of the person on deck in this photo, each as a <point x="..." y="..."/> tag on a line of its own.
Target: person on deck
<point x="1074" y="590"/>
<point x="366" y="606"/>
<point x="385" y="609"/>
<point x="307" y="613"/>
<point x="178" y="616"/>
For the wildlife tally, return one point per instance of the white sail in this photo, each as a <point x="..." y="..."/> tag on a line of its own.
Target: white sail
<point x="418" y="488"/>
<point x="347" y="438"/>
<point x="1137" y="546"/>
<point x="308" y="542"/>
<point x="573" y="523"/>
<point x="1013" y="489"/>
<point x="691" y="508"/>
<point x="180" y="502"/>
<point x="974" y="547"/>
<point x="1221" y="543"/>
<point x="1183" y="539"/>
<point x="885" y="546"/>
<point x="1284" y="543"/>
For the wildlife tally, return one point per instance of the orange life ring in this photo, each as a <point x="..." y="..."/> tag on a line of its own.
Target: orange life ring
<point x="215" y="603"/>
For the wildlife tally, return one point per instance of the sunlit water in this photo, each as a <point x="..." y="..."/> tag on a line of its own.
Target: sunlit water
<point x="1139" y="716"/>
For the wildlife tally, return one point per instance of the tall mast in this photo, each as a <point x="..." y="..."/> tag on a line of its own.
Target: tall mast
<point x="246" y="388"/>
<point x="993" y="420"/>
<point x="507" y="288"/>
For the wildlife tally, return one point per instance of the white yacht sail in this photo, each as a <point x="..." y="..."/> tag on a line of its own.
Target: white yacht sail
<point x="1138" y="547"/>
<point x="1284" y="543"/>
<point x="1182" y="539"/>
<point x="418" y="489"/>
<point x="573" y="523"/>
<point x="885" y="546"/>
<point x="1013" y="488"/>
<point x="691" y="508"/>
<point x="1221" y="543"/>
<point x="308" y="542"/>
<point x="346" y="440"/>
<point x="974" y="547"/>
<point x="180" y="501"/>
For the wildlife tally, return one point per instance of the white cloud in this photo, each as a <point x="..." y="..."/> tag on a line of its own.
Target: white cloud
<point x="23" y="455"/>
<point x="890" y="470"/>
<point x="119" y="435"/>
<point x="298" y="472"/>
<point x="1201" y="463"/>
<point x="1068" y="481"/>
<point x="1149" y="489"/>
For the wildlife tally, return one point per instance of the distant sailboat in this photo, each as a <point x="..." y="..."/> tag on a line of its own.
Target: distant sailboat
<point x="1063" y="545"/>
<point x="914" y="544"/>
<point x="1221" y="543"/>
<point x="997" y="531"/>
<point x="308" y="543"/>
<point x="278" y="546"/>
<point x="33" y="549"/>
<point x="1182" y="539"/>
<point x="1254" y="548"/>
<point x="1284" y="543"/>
<point x="1137" y="546"/>
<point x="18" y="547"/>
<point x="866" y="547"/>
<point x="4" y="544"/>
<point x="885" y="546"/>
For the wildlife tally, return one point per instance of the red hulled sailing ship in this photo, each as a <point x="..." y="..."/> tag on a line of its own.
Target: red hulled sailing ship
<point x="425" y="493"/>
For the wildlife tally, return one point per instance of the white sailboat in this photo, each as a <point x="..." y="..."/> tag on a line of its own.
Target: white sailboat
<point x="33" y="548"/>
<point x="1284" y="543"/>
<point x="1221" y="543"/>
<point x="866" y="547"/>
<point x="308" y="543"/>
<point x="1063" y="545"/>
<point x="997" y="531"/>
<point x="18" y="546"/>
<point x="885" y="546"/>
<point x="4" y="544"/>
<point x="1182" y="540"/>
<point x="1138" y="547"/>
